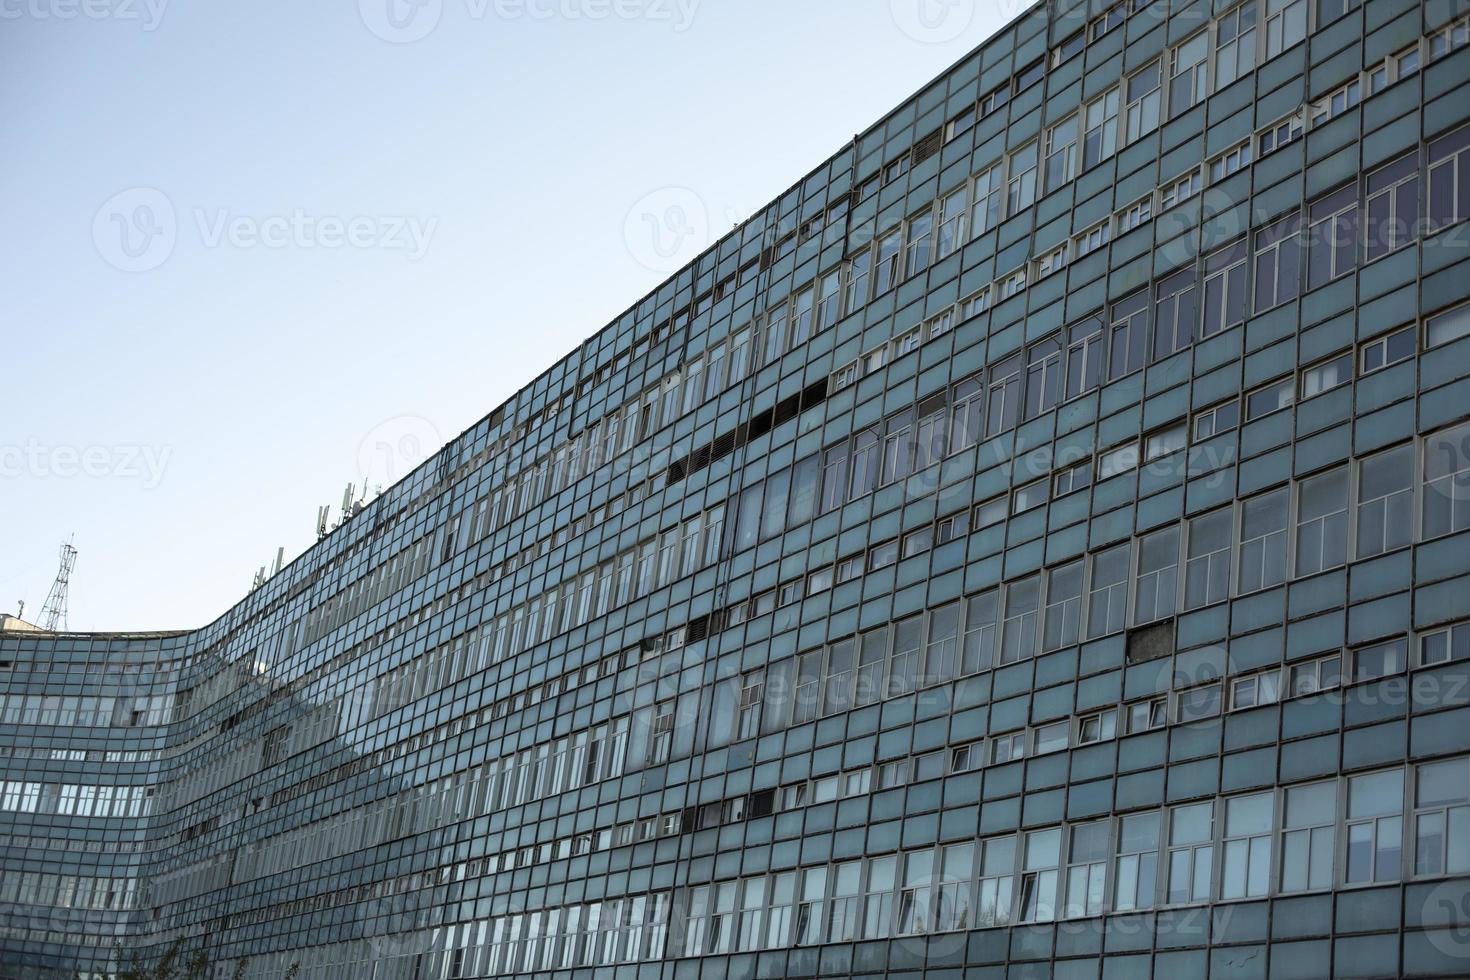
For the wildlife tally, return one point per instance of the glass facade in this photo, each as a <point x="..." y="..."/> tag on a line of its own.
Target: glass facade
<point x="1035" y="546"/>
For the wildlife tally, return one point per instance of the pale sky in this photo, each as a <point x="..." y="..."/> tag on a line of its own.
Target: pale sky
<point x="256" y="251"/>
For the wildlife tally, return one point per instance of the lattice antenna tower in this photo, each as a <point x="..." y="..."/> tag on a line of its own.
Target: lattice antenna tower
<point x="54" y="611"/>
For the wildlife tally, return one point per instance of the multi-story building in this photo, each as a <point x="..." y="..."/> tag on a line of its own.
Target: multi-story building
<point x="1036" y="545"/>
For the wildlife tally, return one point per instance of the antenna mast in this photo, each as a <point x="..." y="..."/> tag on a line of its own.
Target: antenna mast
<point x="54" y="611"/>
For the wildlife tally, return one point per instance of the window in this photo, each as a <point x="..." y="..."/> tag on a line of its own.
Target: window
<point x="1043" y="377"/>
<point x="1174" y="314"/>
<point x="1187" y="65"/>
<point x="1013" y="283"/>
<point x="1387" y="350"/>
<point x="1146" y="715"/>
<point x="1129" y="335"/>
<point x="1286" y="25"/>
<point x="964" y="425"/>
<point x="1207" y="562"/>
<point x="1087" y="864"/>
<point x="1072" y="479"/>
<point x="829" y="302"/>
<point x="988" y="190"/>
<point x="1446" y="327"/>
<point x="1085" y="357"/>
<point x="1180" y="190"/>
<point x="920" y="245"/>
<point x="883" y="555"/>
<point x="864" y="469"/>
<point x="1018" y="631"/>
<point x="1309" y="829"/>
<point x="1050" y="738"/>
<point x="1314" y="676"/>
<point x="1274" y="137"/>
<point x="952" y="888"/>
<point x="913" y="897"/>
<point x="1392" y="215"/>
<point x="878" y="899"/>
<point x="858" y="269"/>
<point x="1442" y="818"/>
<point x="1255" y="691"/>
<point x="995" y="99"/>
<point x="886" y="271"/>
<point x="1021" y="188"/>
<point x="1337" y="103"/>
<point x="918" y="542"/>
<point x="896" y="169"/>
<point x="932" y="438"/>
<point x="1271" y="398"/>
<point x="997" y="882"/>
<point x="1113" y="17"/>
<point x="1107" y="599"/>
<point x="975" y="304"/>
<point x="1124" y="459"/>
<point x="1191" y="853"/>
<point x="752" y="692"/>
<point x="1380" y="660"/>
<point x="1135" y="871"/>
<point x="1385" y="502"/>
<point x="1321" y="524"/>
<point x="1246" y="862"/>
<point x="1052" y="261"/>
<point x="991" y="512"/>
<point x="1213" y="421"/>
<point x="978" y="649"/>
<point x="1235" y="43"/>
<point x="1003" y="398"/>
<point x="1446" y="469"/>
<point x="960" y="124"/>
<point x="940" y="650"/>
<point x="1092" y="239"/>
<point x="1278" y="263"/>
<point x="1449" y="178"/>
<point x="1198" y="704"/>
<point x="1068" y="49"/>
<point x="1143" y="102"/>
<point x="1375" y="827"/>
<point x="1395" y="68"/>
<point x="1100" y="132"/>
<point x="1327" y="375"/>
<point x="1134" y="215"/>
<point x="898" y="448"/>
<point x="1007" y="748"/>
<point x="1332" y="236"/>
<point x="1039" y="875"/>
<point x="1444" y="645"/>
<point x="1061" y="153"/>
<point x="1230" y="162"/>
<point x="1158" y="566"/>
<point x="1098" y="727"/>
<point x="954" y="527"/>
<point x="1449" y="38"/>
<point x="953" y="211"/>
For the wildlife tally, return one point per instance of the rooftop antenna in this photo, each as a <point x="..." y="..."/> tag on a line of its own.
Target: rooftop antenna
<point x="54" y="611"/>
<point x="322" y="514"/>
<point x="21" y="612"/>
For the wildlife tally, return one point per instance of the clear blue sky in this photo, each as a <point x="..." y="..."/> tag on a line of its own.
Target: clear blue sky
<point x="251" y="245"/>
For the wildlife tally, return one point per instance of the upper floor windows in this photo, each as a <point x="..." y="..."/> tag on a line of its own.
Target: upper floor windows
<point x="1235" y="43"/>
<point x="1188" y="67"/>
<point x="1144" y="95"/>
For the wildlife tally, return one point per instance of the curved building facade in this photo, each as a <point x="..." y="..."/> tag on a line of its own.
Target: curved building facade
<point x="1037" y="545"/>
